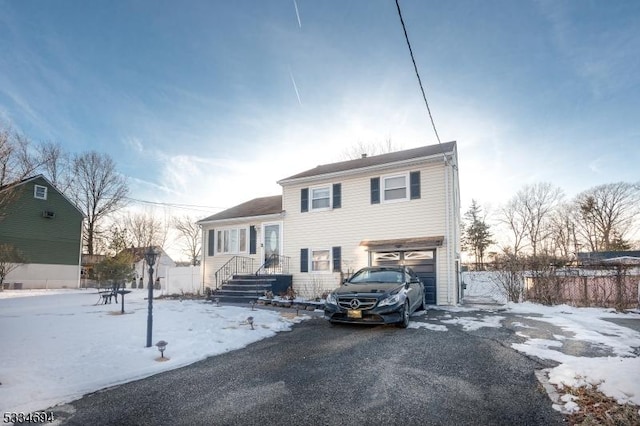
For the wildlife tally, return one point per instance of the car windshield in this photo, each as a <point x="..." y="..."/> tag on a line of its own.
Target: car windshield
<point x="376" y="276"/>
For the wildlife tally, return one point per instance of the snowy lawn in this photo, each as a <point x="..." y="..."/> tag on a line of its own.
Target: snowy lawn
<point x="58" y="345"/>
<point x="616" y="375"/>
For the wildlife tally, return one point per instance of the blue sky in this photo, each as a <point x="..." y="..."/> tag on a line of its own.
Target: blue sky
<point x="211" y="102"/>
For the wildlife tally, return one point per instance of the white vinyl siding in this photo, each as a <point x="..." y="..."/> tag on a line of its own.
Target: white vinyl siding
<point x="359" y="220"/>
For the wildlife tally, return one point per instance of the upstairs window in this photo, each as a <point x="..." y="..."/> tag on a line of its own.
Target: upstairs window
<point x="395" y="188"/>
<point x="321" y="198"/>
<point x="40" y="192"/>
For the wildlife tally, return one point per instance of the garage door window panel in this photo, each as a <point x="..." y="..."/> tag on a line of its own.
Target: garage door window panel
<point x="418" y="255"/>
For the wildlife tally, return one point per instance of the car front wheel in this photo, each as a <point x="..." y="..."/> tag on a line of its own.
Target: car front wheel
<point x="404" y="323"/>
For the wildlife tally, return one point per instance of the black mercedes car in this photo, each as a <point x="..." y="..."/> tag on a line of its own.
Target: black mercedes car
<point x="376" y="295"/>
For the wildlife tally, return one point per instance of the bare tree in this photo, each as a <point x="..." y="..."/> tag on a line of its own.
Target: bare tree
<point x="509" y="276"/>
<point x="10" y="259"/>
<point x="530" y="212"/>
<point x="563" y="231"/>
<point x="16" y="163"/>
<point x="190" y="237"/>
<point x="513" y="216"/>
<point x="607" y="213"/>
<point x="98" y="191"/>
<point x="55" y="164"/>
<point x="118" y="238"/>
<point x="146" y="230"/>
<point x="367" y="149"/>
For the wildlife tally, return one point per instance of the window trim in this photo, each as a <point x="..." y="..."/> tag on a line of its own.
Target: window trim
<point x="383" y="188"/>
<point x="35" y="192"/>
<point x="223" y="234"/>
<point x="328" y="187"/>
<point x="329" y="261"/>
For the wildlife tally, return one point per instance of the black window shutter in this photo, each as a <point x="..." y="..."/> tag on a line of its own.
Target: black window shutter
<point x="414" y="178"/>
<point x="304" y="260"/>
<point x="337" y="195"/>
<point x="211" y="242"/>
<point x="304" y="200"/>
<point x="252" y="239"/>
<point x="337" y="258"/>
<point x="375" y="190"/>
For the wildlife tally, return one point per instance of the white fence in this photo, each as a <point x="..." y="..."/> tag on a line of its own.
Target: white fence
<point x="182" y="279"/>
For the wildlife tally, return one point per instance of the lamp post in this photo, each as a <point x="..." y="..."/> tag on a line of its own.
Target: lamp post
<point x="150" y="257"/>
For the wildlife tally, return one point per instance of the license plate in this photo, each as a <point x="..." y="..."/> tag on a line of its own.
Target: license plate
<point x="354" y="313"/>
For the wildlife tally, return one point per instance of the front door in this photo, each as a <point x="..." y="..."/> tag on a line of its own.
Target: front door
<point x="272" y="244"/>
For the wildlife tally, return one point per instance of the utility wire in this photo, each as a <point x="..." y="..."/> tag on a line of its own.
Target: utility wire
<point x="415" y="67"/>
<point x="179" y="206"/>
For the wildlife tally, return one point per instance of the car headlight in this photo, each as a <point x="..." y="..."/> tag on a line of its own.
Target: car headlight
<point x="391" y="300"/>
<point x="331" y="299"/>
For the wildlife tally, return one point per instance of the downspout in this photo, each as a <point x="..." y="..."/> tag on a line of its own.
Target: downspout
<point x="203" y="260"/>
<point x="449" y="240"/>
<point x="80" y="254"/>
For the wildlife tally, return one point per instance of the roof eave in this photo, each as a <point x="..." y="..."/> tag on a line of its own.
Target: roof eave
<point x="261" y="218"/>
<point x="378" y="167"/>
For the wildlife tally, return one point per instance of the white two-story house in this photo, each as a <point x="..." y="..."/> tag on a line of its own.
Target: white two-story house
<point x="400" y="208"/>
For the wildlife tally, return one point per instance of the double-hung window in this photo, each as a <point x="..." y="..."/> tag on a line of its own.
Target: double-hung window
<point x="243" y="240"/>
<point x="231" y="241"/>
<point x="320" y="260"/>
<point x="321" y="198"/>
<point x="395" y="188"/>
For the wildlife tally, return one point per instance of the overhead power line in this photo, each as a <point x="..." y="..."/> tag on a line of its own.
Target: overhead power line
<point x="415" y="67"/>
<point x="175" y="205"/>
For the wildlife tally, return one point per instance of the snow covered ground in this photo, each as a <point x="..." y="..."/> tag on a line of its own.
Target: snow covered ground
<point x="590" y="348"/>
<point x="58" y="345"/>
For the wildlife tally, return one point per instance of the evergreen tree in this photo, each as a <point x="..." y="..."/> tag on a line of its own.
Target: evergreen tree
<point x="476" y="236"/>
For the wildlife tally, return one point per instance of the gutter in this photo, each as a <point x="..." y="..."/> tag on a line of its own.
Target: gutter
<point x="241" y="219"/>
<point x="364" y="170"/>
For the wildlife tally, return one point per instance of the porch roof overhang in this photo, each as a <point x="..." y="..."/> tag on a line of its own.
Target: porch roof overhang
<point x="403" y="244"/>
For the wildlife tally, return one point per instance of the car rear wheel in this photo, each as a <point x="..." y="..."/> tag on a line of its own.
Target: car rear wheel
<point x="404" y="323"/>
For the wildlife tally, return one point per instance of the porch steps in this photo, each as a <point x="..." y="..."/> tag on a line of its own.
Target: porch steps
<point x="243" y="289"/>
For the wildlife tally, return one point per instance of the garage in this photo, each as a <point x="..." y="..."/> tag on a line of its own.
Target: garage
<point x="417" y="253"/>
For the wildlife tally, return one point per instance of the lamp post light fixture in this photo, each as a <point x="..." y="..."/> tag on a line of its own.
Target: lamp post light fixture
<point x="162" y="345"/>
<point x="250" y="321"/>
<point x="150" y="257"/>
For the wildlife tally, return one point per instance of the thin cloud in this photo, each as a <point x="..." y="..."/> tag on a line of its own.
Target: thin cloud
<point x="295" y="4"/>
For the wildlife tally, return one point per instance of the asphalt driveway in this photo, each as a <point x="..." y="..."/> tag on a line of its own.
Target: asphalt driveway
<point x="318" y="374"/>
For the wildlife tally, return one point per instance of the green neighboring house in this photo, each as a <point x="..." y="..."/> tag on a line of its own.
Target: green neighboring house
<point x="46" y="227"/>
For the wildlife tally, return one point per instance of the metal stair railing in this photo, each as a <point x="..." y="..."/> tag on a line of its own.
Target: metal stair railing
<point x="274" y="264"/>
<point x="234" y="266"/>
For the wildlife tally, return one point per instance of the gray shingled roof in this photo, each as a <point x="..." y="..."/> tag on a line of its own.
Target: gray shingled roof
<point x="393" y="157"/>
<point x="256" y="207"/>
